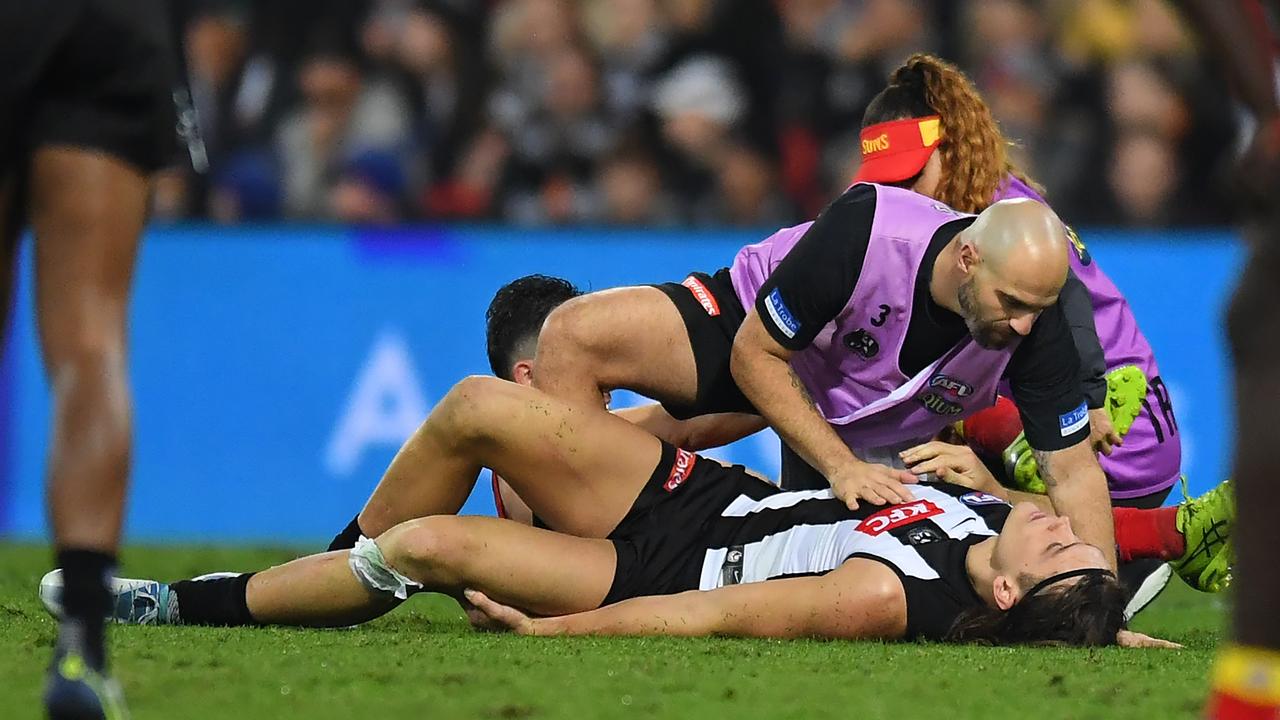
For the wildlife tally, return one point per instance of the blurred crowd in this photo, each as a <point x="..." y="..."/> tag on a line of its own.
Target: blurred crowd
<point x="675" y="112"/>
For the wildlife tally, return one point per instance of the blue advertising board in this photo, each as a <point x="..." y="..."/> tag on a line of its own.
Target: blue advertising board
<point x="276" y="370"/>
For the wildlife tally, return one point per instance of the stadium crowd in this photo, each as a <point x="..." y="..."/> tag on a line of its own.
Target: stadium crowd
<point x="674" y="112"/>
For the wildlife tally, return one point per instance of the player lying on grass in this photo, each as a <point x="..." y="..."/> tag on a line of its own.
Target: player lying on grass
<point x="651" y="540"/>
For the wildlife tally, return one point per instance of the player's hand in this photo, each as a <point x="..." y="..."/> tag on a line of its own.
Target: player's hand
<point x="500" y="617"/>
<point x="877" y="484"/>
<point x="953" y="463"/>
<point x="1131" y="639"/>
<point x="1102" y="434"/>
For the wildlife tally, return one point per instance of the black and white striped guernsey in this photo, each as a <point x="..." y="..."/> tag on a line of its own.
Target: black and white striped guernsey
<point x="702" y="525"/>
<point x="790" y="534"/>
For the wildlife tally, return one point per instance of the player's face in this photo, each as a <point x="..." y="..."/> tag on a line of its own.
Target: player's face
<point x="1037" y="544"/>
<point x="996" y="315"/>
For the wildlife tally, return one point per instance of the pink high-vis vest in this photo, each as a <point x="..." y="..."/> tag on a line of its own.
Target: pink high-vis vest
<point x="851" y="368"/>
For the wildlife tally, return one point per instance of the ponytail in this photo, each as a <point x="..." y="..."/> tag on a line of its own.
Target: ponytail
<point x="974" y="153"/>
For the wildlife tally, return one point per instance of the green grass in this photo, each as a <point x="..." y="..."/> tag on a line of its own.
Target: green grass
<point x="422" y="661"/>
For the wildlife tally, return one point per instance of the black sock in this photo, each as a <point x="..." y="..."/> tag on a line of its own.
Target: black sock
<point x="86" y="599"/>
<point x="219" y="601"/>
<point x="346" y="539"/>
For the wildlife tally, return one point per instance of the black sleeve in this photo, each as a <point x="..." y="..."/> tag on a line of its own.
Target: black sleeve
<point x="1075" y="302"/>
<point x="1045" y="376"/>
<point x="815" y="280"/>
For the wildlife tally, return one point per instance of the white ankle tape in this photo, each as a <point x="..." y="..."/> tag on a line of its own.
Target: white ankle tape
<point x="371" y="569"/>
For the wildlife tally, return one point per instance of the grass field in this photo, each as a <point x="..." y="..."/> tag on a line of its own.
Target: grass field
<point x="423" y="661"/>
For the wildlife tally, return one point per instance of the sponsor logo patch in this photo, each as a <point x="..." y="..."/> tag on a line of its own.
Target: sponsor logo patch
<point x="1070" y="422"/>
<point x="702" y="295"/>
<point x="863" y="343"/>
<point x="781" y="314"/>
<point x="680" y="470"/>
<point x="923" y="535"/>
<point x="980" y="498"/>
<point x="951" y="386"/>
<point x="898" y="516"/>
<point x="939" y="405"/>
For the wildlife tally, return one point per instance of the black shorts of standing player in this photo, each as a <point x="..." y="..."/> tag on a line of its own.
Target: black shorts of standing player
<point x="95" y="74"/>
<point x="712" y="314"/>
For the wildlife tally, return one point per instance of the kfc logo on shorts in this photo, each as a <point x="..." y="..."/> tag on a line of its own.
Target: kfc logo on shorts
<point x="892" y="518"/>
<point x="702" y="295"/>
<point x="680" y="470"/>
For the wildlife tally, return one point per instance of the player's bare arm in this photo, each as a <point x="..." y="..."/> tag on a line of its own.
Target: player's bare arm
<point x="862" y="599"/>
<point x="760" y="367"/>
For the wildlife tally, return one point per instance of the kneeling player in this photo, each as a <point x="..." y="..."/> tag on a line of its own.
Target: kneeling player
<point x="664" y="542"/>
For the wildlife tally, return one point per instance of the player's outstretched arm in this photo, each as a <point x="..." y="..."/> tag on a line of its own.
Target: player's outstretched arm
<point x="861" y="599"/>
<point x="761" y="367"/>
<point x="1078" y="489"/>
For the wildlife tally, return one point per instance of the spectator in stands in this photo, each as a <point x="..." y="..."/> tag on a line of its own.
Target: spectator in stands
<point x="631" y="191"/>
<point x="342" y="115"/>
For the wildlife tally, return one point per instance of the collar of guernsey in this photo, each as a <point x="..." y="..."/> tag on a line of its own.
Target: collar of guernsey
<point x="896" y="150"/>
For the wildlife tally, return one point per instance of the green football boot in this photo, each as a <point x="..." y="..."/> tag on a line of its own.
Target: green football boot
<point x="1126" y="387"/>
<point x="1206" y="523"/>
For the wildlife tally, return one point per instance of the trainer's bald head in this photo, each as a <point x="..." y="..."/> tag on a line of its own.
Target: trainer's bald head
<point x="1004" y="269"/>
<point x="1023" y="243"/>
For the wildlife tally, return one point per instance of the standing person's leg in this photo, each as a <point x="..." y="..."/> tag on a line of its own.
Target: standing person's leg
<point x="1247" y="676"/>
<point x="87" y="210"/>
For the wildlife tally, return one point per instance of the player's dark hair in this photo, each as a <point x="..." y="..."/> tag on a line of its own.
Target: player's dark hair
<point x="1086" y="613"/>
<point x="516" y="314"/>
<point x="973" y="151"/>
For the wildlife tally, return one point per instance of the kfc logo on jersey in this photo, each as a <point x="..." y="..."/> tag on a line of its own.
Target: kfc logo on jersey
<point x="702" y="295"/>
<point x="680" y="470"/>
<point x="897" y="516"/>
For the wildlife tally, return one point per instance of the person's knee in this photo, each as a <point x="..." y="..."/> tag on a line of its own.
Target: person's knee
<point x="474" y="409"/>
<point x="87" y="350"/>
<point x="434" y="549"/>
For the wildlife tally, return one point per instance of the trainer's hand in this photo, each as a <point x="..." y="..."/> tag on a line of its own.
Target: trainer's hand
<point x="877" y="484"/>
<point x="1131" y="639"/>
<point x="953" y="463"/>
<point x="1102" y="434"/>
<point x="500" y="617"/>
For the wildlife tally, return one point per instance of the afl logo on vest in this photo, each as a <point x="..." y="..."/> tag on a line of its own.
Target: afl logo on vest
<point x="951" y="386"/>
